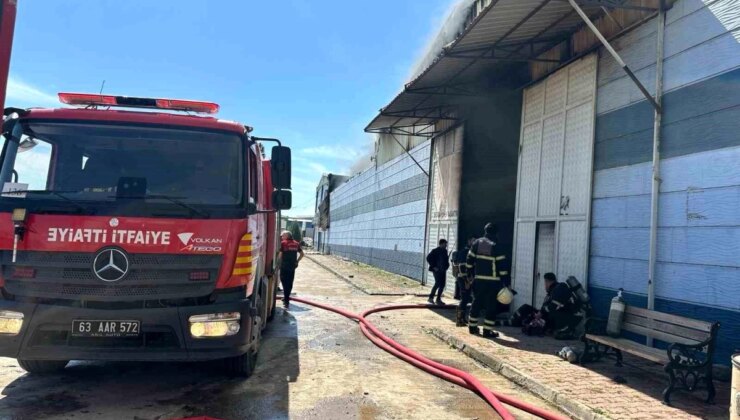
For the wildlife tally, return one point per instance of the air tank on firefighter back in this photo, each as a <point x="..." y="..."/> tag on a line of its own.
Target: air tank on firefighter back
<point x="616" y="315"/>
<point x="577" y="289"/>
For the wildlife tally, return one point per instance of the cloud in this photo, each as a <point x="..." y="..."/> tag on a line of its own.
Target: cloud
<point x="20" y="93"/>
<point x="310" y="163"/>
<point x="33" y="166"/>
<point x="318" y="168"/>
<point x="334" y="152"/>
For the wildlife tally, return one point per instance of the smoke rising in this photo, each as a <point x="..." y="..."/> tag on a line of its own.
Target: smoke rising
<point x="364" y="160"/>
<point x="452" y="25"/>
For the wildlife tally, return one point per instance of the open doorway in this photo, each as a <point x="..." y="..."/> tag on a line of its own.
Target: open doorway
<point x="544" y="259"/>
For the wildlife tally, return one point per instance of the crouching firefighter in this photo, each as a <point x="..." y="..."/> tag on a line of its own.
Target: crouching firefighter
<point x="489" y="270"/>
<point x="560" y="309"/>
<point x="463" y="284"/>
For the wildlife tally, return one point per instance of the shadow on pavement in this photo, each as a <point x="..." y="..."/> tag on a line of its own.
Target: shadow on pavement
<point x="645" y="377"/>
<point x="163" y="390"/>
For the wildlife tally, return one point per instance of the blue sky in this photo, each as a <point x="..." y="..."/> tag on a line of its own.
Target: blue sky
<point x="311" y="72"/>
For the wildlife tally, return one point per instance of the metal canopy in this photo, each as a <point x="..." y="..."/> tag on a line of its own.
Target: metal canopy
<point x="504" y="35"/>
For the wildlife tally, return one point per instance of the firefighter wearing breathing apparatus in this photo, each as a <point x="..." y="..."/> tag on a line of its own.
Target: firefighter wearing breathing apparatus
<point x="560" y="308"/>
<point x="489" y="270"/>
<point x="463" y="284"/>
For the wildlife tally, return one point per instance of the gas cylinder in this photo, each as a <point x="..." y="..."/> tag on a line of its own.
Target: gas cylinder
<point x="616" y="315"/>
<point x="577" y="289"/>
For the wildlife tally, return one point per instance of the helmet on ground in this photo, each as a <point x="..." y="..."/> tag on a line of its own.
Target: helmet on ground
<point x="505" y="296"/>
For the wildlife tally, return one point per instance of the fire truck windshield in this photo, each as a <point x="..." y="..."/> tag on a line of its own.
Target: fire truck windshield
<point x="124" y="169"/>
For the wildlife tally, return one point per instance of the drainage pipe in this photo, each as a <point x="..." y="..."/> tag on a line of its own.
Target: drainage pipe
<point x="655" y="191"/>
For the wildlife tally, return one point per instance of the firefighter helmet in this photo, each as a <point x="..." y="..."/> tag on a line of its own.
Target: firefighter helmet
<point x="505" y="296"/>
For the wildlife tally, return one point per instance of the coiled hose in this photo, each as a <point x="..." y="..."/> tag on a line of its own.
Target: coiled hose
<point x="450" y="374"/>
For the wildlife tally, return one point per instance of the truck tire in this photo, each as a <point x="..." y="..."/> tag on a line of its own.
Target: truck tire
<point x="42" y="366"/>
<point x="274" y="305"/>
<point x="241" y="366"/>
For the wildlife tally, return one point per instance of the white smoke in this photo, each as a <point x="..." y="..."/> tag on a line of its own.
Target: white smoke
<point x="365" y="158"/>
<point x="451" y="27"/>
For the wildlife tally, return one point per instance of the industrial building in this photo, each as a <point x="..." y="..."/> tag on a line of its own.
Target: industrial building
<point x="321" y="220"/>
<point x="615" y="160"/>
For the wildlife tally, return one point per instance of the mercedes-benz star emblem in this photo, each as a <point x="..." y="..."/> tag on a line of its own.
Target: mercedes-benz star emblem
<point x="110" y="265"/>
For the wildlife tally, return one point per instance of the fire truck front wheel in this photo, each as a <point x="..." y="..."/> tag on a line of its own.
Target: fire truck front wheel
<point x="42" y="366"/>
<point x="241" y="366"/>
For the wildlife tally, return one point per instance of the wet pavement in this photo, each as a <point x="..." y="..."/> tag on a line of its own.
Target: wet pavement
<point x="312" y="365"/>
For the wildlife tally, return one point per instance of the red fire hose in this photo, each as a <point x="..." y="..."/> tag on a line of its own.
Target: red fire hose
<point x="450" y="374"/>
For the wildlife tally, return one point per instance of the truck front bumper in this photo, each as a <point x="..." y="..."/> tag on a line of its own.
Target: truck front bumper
<point x="46" y="334"/>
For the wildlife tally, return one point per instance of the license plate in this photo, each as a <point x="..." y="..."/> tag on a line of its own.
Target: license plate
<point x="105" y="328"/>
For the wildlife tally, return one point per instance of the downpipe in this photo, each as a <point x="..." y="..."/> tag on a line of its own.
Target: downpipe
<point x="448" y="373"/>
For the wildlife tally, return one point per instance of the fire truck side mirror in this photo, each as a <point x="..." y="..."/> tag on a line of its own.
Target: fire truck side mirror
<point x="280" y="167"/>
<point x="282" y="200"/>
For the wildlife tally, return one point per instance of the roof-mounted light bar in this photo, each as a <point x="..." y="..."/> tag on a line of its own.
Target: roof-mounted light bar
<point x="88" y="99"/>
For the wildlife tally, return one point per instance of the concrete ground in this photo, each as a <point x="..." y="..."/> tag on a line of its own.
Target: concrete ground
<point x="596" y="391"/>
<point x="313" y="364"/>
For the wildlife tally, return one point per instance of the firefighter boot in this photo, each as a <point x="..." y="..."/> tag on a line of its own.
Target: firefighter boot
<point x="472" y="329"/>
<point x="460" y="318"/>
<point x="489" y="333"/>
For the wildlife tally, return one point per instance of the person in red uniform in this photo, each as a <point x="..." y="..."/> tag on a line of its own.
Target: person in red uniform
<point x="290" y="255"/>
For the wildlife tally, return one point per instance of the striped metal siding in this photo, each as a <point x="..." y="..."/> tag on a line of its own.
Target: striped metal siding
<point x="378" y="217"/>
<point x="699" y="221"/>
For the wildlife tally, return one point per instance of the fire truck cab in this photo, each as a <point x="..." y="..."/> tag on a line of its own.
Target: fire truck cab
<point x="146" y="234"/>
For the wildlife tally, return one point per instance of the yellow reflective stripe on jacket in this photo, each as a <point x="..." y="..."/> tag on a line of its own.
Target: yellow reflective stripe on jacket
<point x="486" y="257"/>
<point x="501" y="258"/>
<point x="503" y="273"/>
<point x="481" y="277"/>
<point x="471" y="254"/>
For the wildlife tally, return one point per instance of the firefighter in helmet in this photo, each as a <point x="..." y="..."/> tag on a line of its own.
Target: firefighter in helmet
<point x="560" y="308"/>
<point x="463" y="285"/>
<point x="489" y="270"/>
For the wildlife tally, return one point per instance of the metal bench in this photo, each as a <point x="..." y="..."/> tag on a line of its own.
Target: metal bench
<point x="687" y="360"/>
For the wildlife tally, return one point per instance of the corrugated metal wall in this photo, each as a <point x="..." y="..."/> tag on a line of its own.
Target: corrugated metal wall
<point x="390" y="146"/>
<point x="444" y="199"/>
<point x="584" y="39"/>
<point x="555" y="165"/>
<point x="378" y="217"/>
<point x="698" y="269"/>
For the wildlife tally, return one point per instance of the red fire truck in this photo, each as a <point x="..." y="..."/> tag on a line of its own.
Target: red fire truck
<point x="146" y="234"/>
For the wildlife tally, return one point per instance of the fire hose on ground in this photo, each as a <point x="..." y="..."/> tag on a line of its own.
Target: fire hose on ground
<point x="450" y="374"/>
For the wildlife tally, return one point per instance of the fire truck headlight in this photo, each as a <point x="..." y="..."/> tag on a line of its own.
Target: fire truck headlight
<point x="215" y="325"/>
<point x="19" y="215"/>
<point x="10" y="322"/>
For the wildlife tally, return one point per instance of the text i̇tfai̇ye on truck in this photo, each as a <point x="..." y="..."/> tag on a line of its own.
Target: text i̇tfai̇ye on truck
<point x="144" y="235"/>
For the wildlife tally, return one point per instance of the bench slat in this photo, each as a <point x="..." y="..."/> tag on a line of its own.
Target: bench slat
<point x="671" y="319"/>
<point x="668" y="338"/>
<point x="677" y="330"/>
<point x="631" y="347"/>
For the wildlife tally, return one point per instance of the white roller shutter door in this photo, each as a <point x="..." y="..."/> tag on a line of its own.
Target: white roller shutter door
<point x="444" y="197"/>
<point x="555" y="172"/>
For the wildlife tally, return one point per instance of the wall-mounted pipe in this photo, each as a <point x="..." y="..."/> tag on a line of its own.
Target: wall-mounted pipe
<point x="655" y="191"/>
